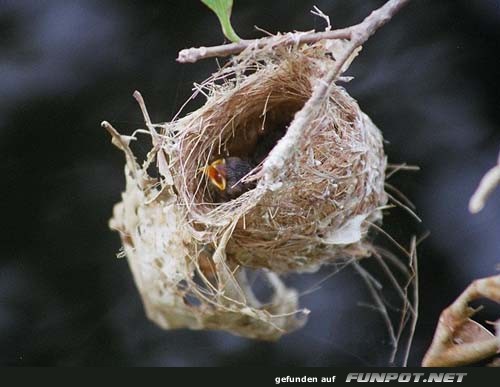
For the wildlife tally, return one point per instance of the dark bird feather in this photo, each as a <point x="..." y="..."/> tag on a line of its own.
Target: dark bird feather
<point x="224" y="178"/>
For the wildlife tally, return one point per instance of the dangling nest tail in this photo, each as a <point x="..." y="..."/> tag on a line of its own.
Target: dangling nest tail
<point x="316" y="194"/>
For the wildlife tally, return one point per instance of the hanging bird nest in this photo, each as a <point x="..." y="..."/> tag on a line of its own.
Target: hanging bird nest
<point x="314" y="194"/>
<point x="320" y="206"/>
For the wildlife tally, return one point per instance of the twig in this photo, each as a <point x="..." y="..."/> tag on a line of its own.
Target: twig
<point x="284" y="150"/>
<point x="318" y="12"/>
<point x="459" y="340"/>
<point x="358" y="34"/>
<point x="194" y="54"/>
<point x="157" y="151"/>
<point x="121" y="142"/>
<point x="154" y="135"/>
<point x="300" y="126"/>
<point x="488" y="183"/>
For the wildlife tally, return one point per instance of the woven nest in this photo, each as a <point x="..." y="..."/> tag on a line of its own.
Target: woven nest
<point x="320" y="206"/>
<point x="315" y="193"/>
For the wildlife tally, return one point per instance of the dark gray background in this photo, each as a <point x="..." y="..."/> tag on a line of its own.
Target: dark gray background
<point x="429" y="80"/>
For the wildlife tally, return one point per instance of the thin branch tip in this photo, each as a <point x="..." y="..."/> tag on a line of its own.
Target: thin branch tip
<point x="458" y="340"/>
<point x="486" y="186"/>
<point x="358" y="33"/>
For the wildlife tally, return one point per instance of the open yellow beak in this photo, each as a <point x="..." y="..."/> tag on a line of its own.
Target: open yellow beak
<point x="214" y="174"/>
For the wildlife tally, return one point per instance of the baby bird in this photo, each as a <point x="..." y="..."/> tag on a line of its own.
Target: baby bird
<point x="224" y="177"/>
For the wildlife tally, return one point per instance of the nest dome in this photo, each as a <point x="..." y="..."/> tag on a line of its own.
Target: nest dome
<point x="320" y="205"/>
<point x="315" y="186"/>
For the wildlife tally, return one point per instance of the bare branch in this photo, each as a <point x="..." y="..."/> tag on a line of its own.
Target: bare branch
<point x="318" y="12"/>
<point x="458" y="339"/>
<point x="154" y="135"/>
<point x="358" y="34"/>
<point x="488" y="183"/>
<point x="194" y="54"/>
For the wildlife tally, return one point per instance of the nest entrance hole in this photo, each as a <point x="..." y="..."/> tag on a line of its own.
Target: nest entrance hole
<point x="255" y="127"/>
<point x="257" y="130"/>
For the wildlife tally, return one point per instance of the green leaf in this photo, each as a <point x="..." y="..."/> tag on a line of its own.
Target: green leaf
<point x="222" y="8"/>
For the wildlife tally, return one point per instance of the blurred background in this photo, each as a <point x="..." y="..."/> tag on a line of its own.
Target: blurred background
<point x="429" y="80"/>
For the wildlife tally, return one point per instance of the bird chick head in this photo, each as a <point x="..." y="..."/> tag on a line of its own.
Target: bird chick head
<point x="216" y="173"/>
